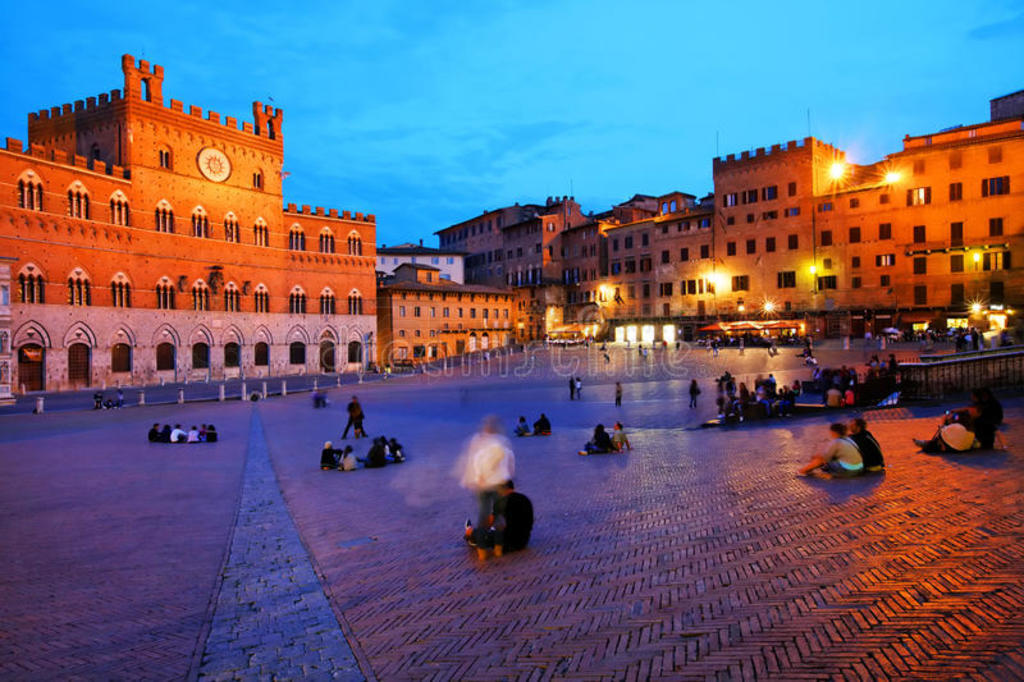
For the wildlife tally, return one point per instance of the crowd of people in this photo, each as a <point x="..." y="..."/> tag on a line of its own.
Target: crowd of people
<point x="204" y="433"/>
<point x="735" y="401"/>
<point x="382" y="452"/>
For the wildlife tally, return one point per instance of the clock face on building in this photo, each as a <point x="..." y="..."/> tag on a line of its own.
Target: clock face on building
<point x="213" y="164"/>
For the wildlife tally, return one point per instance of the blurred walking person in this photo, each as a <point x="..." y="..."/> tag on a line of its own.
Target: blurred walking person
<point x="487" y="463"/>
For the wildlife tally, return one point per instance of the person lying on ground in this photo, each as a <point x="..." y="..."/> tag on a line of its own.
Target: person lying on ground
<point x="955" y="432"/>
<point x="600" y="443"/>
<point x="620" y="442"/>
<point x="542" y="427"/>
<point x="840" y="458"/>
<point x="870" y="450"/>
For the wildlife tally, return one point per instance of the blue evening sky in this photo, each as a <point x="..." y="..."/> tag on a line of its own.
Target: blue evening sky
<point x="427" y="113"/>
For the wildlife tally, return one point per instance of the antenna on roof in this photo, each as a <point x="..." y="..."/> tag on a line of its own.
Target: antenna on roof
<point x="808" y="122"/>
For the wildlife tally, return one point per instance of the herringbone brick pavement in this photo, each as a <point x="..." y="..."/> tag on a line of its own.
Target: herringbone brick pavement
<point x="697" y="556"/>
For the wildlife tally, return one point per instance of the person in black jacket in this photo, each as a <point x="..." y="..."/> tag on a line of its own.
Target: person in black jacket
<point x="600" y="443"/>
<point x="870" y="450"/>
<point x="513" y="520"/>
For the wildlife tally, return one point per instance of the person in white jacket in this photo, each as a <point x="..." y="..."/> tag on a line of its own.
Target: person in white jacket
<point x="487" y="463"/>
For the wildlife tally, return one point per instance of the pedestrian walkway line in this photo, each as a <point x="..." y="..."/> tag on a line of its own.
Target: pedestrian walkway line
<point x="271" y="618"/>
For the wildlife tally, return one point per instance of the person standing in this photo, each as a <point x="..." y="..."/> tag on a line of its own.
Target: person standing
<point x="572" y="388"/>
<point x="487" y="464"/>
<point x="355" y="418"/>
<point x="579" y="388"/>
<point x="618" y="394"/>
<point x="694" y="392"/>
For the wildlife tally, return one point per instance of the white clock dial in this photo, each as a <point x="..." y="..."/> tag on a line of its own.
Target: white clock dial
<point x="213" y="164"/>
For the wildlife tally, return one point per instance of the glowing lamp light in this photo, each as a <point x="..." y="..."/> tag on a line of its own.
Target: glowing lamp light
<point x="741" y="307"/>
<point x="975" y="308"/>
<point x="814" y="269"/>
<point x="892" y="177"/>
<point x="977" y="257"/>
<point x="837" y="170"/>
<point x="769" y="306"/>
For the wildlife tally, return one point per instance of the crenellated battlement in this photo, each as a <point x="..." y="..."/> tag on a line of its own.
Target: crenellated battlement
<point x="761" y="153"/>
<point x="305" y="210"/>
<point x="63" y="158"/>
<point x="144" y="82"/>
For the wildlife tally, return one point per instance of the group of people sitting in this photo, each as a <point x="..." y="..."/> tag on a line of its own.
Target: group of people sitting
<point x="205" y="433"/>
<point x="851" y="451"/>
<point x="973" y="427"/>
<point x="508" y="527"/>
<point x="601" y="443"/>
<point x="541" y="427"/>
<point x="879" y="368"/>
<point x="384" y="451"/>
<point x="770" y="399"/>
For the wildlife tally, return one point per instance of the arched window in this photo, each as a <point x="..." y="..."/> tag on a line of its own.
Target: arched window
<point x="355" y="244"/>
<point x="261" y="354"/>
<point x="200" y="356"/>
<point x="164" y="157"/>
<point x="165" y="357"/>
<point x="232" y="298"/>
<point x="297" y="301"/>
<point x="297" y="353"/>
<point x="78" y="201"/>
<point x="200" y="223"/>
<point x="355" y="351"/>
<point x="164" y="217"/>
<point x="232" y="233"/>
<point x="260" y="233"/>
<point x="165" y="294"/>
<point x="296" y="239"/>
<point x="232" y="354"/>
<point x="326" y="241"/>
<point x="119" y="209"/>
<point x="200" y="296"/>
<point x="31" y="288"/>
<point x="79" y="292"/>
<point x="326" y="302"/>
<point x="120" y="292"/>
<point x="120" y="357"/>
<point x="355" y="303"/>
<point x="30" y="192"/>
<point x="261" y="299"/>
<point x="257" y="180"/>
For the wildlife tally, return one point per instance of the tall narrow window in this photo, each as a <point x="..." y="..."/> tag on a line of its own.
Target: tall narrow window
<point x="200" y="224"/>
<point x="200" y="296"/>
<point x="232" y="233"/>
<point x="355" y="245"/>
<point x="121" y="292"/>
<point x="297" y="302"/>
<point x="261" y="300"/>
<point x="355" y="303"/>
<point x="165" y="295"/>
<point x="261" y="233"/>
<point x="78" y="202"/>
<point x="326" y="303"/>
<point x="30" y="194"/>
<point x="79" y="293"/>
<point x="326" y="241"/>
<point x="164" y="156"/>
<point x="119" y="209"/>
<point x="232" y="298"/>
<point x="296" y="239"/>
<point x="30" y="286"/>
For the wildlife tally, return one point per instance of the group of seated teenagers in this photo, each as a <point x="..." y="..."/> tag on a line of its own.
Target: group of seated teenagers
<point x="851" y="451"/>
<point x="767" y="395"/>
<point x="384" y="451"/>
<point x="601" y="443"/>
<point x="511" y="523"/>
<point x="969" y="428"/>
<point x="541" y="427"/>
<point x="206" y="433"/>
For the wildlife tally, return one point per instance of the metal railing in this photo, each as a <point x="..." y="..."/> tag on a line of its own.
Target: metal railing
<point x="967" y="354"/>
<point x="939" y="378"/>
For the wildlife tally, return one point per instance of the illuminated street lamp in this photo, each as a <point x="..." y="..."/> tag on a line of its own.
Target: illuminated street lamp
<point x="769" y="307"/>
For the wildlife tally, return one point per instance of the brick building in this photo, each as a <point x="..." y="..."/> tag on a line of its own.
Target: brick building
<point x="151" y="244"/>
<point x="422" y="317"/>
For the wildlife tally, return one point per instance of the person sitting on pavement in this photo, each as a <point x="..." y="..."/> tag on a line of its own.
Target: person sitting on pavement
<point x="328" y="457"/>
<point x="211" y="433"/>
<point x="600" y="443"/>
<point x="395" y="453"/>
<point x="870" y="450"/>
<point x="154" y="434"/>
<point x="511" y="523"/>
<point x="378" y="455"/>
<point x="193" y="435"/>
<point x="840" y="458"/>
<point x="348" y="460"/>
<point x="849" y="398"/>
<point x="833" y="397"/>
<point x="165" y="434"/>
<point x="178" y="435"/>
<point x="620" y="442"/>
<point x="542" y="427"/>
<point x="990" y="417"/>
<point x="522" y="428"/>
<point x="955" y="433"/>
